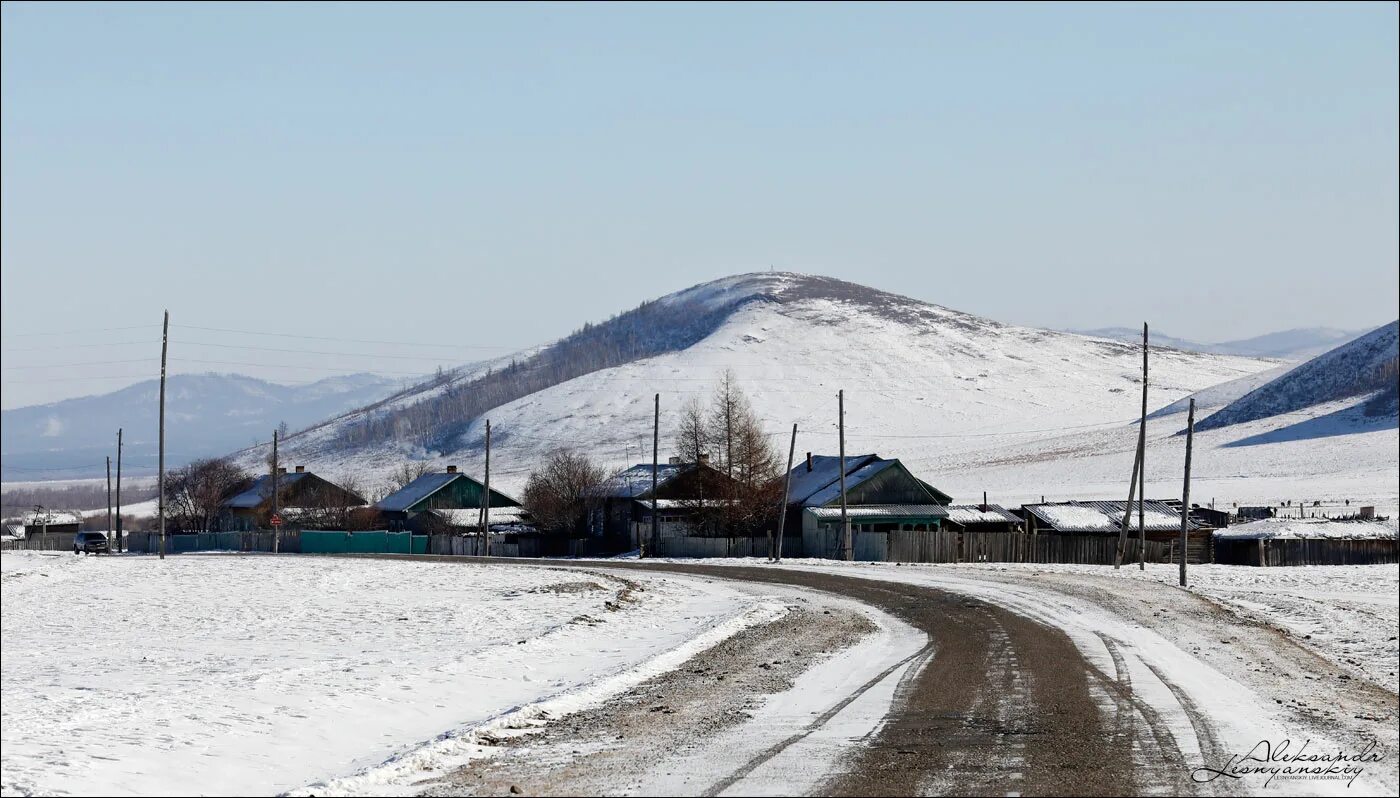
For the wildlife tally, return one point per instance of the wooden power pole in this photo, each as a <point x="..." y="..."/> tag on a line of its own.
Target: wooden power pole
<point x="160" y="465"/>
<point x="848" y="552"/>
<point x="109" y="504"/>
<point x="121" y="544"/>
<point x="782" y="507"/>
<point x="276" y="506"/>
<point x="655" y="545"/>
<point x="1137" y="478"/>
<point x="1186" y="487"/>
<point x="1142" y="462"/>
<point x="485" y="500"/>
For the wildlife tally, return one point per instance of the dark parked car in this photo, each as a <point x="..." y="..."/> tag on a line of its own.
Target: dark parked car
<point x="90" y="543"/>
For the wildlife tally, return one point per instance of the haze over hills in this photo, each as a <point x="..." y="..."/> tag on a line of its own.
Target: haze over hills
<point x="206" y="415"/>
<point x="1293" y="345"/>
<point x="921" y="380"/>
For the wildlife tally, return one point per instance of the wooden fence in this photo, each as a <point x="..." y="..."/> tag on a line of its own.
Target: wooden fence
<point x="1307" y="551"/>
<point x="744" y="546"/>
<point x="58" y="541"/>
<point x="946" y="546"/>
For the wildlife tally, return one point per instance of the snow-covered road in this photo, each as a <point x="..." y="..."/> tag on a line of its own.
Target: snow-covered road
<point x="257" y="675"/>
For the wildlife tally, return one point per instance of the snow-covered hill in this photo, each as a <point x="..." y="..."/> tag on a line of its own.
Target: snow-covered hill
<point x="206" y="415"/>
<point x="922" y="382"/>
<point x="1356" y="368"/>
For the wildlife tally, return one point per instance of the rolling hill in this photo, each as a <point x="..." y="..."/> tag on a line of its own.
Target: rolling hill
<point x="922" y="382"/>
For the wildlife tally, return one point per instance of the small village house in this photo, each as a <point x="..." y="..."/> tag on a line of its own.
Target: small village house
<point x="452" y="499"/>
<point x="304" y="500"/>
<point x="626" y="502"/>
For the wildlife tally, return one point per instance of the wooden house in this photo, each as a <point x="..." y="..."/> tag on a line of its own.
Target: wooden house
<point x="304" y="499"/>
<point x="682" y="489"/>
<point x="448" y="490"/>
<point x="881" y="495"/>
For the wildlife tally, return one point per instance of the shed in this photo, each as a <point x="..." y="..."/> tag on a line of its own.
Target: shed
<point x="983" y="518"/>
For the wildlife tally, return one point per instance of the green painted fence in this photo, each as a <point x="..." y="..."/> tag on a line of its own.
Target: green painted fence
<point x="362" y="543"/>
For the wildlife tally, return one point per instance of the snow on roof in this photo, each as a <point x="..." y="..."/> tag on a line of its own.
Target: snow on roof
<point x="1309" y="528"/>
<point x="973" y="514"/>
<point x="636" y="480"/>
<point x="1105" y="516"/>
<point x="1157" y="516"/>
<point x="826" y="470"/>
<point x="882" y="511"/>
<point x="832" y="492"/>
<point x="1073" y="517"/>
<point x="261" y="490"/>
<point x="52" y="518"/>
<point x="416" y="491"/>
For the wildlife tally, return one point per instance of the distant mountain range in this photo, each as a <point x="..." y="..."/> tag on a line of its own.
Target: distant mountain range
<point x="1296" y="345"/>
<point x="206" y="415"/>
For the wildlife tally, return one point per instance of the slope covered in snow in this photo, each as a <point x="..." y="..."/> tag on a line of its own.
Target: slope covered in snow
<point x="1359" y="367"/>
<point x="921" y="381"/>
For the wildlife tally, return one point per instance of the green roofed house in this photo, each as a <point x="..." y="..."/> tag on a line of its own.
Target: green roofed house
<point x="881" y="496"/>
<point x="449" y="490"/>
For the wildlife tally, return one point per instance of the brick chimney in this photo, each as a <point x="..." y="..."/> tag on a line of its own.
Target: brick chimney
<point x="452" y="469"/>
<point x="809" y="462"/>
<point x="301" y="469"/>
<point x="704" y="459"/>
<point x="675" y="461"/>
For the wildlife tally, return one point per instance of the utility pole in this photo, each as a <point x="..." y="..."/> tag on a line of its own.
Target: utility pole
<point x="277" y="527"/>
<point x="1137" y="479"/>
<point x="160" y="466"/>
<point x="782" y="507"/>
<point x="846" y="548"/>
<point x="485" y="499"/>
<point x="121" y="544"/>
<point x="1186" y="486"/>
<point x="1142" y="470"/>
<point x="109" y="502"/>
<point x="655" y="545"/>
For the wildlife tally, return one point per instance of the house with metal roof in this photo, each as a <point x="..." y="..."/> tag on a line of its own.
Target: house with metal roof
<point x="446" y="490"/>
<point x="301" y="489"/>
<point x="1101" y="517"/>
<point x="881" y="495"/>
<point x="626" y="499"/>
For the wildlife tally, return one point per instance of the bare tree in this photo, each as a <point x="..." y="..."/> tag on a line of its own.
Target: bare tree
<point x="731" y="434"/>
<point x="560" y="495"/>
<point x="406" y="473"/>
<point x="195" y="492"/>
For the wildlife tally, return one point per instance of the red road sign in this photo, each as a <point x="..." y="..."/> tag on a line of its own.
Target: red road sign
<point x="276" y="520"/>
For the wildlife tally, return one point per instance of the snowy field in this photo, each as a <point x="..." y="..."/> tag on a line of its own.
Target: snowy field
<point x="261" y="675"/>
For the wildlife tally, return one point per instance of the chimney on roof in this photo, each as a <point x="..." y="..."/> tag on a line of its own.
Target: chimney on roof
<point x="983" y="506"/>
<point x="675" y="461"/>
<point x="809" y="462"/>
<point x="301" y="469"/>
<point x="282" y="470"/>
<point x="704" y="459"/>
<point x="452" y="469"/>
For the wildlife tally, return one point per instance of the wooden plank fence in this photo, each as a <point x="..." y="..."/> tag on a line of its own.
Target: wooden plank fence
<point x="1307" y="551"/>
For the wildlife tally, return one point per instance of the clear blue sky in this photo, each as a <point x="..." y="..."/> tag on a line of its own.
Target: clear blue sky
<point x="496" y="175"/>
